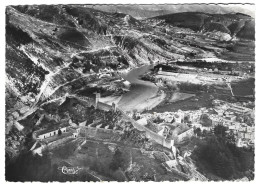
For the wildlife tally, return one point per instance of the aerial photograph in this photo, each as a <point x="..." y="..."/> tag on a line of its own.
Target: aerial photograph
<point x="121" y="92"/>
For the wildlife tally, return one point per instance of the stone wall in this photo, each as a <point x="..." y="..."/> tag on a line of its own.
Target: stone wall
<point x="185" y="135"/>
<point x="59" y="142"/>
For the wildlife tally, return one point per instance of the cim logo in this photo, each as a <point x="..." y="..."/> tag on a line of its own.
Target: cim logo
<point x="69" y="170"/>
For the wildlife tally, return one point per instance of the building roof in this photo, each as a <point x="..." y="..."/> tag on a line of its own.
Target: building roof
<point x="180" y="129"/>
<point x="177" y="128"/>
<point x="58" y="137"/>
<point x="53" y="128"/>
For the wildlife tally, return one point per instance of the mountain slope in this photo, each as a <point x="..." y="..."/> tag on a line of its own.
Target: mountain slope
<point x="148" y="11"/>
<point x="52" y="50"/>
<point x="226" y="23"/>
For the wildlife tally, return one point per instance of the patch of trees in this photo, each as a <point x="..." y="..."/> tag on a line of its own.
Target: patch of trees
<point x="90" y="92"/>
<point x="213" y="26"/>
<point x="18" y="35"/>
<point x="74" y="36"/>
<point x="123" y="60"/>
<point x="59" y="132"/>
<point x="205" y="120"/>
<point x="117" y="160"/>
<point x="203" y="64"/>
<point x="28" y="76"/>
<point x="110" y="118"/>
<point x="192" y="87"/>
<point x="158" y="120"/>
<point x="134" y="136"/>
<point x="159" y="41"/>
<point x="87" y="67"/>
<point x="57" y="60"/>
<point x="166" y="68"/>
<point x="219" y="155"/>
<point x="148" y="77"/>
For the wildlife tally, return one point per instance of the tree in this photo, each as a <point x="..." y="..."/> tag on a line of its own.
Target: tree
<point x="173" y="120"/>
<point x="197" y="131"/>
<point x="220" y="131"/>
<point x="59" y="132"/>
<point x="187" y="119"/>
<point x="205" y="120"/>
<point x="117" y="160"/>
<point x="218" y="155"/>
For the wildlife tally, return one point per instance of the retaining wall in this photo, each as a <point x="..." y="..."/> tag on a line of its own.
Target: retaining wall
<point x="58" y="142"/>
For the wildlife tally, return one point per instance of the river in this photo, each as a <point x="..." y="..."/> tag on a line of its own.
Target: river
<point x="140" y="91"/>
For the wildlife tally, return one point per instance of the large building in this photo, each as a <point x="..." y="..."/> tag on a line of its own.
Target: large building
<point x="49" y="132"/>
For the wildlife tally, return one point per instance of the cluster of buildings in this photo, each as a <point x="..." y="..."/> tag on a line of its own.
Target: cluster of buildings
<point x="54" y="131"/>
<point x="222" y="113"/>
<point x="228" y="114"/>
<point x="170" y="125"/>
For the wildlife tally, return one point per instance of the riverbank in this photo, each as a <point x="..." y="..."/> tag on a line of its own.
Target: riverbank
<point x="143" y="94"/>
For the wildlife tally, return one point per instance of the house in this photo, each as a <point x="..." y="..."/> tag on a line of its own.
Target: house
<point x="238" y="109"/>
<point x="206" y="128"/>
<point x="168" y="118"/>
<point x="38" y="148"/>
<point x="54" y="141"/>
<point x="242" y="129"/>
<point x="250" y="129"/>
<point x="82" y="124"/>
<point x="231" y="117"/>
<point x="241" y="135"/>
<point x="173" y="131"/>
<point x="249" y="136"/>
<point x="232" y="127"/>
<point x="216" y="120"/>
<point x="185" y="135"/>
<point x="127" y="84"/>
<point x="49" y="132"/>
<point x="75" y="131"/>
<point x="181" y="114"/>
<point x="142" y="121"/>
<point x="196" y="125"/>
<point x="72" y="123"/>
<point x="195" y="116"/>
<point x="178" y="118"/>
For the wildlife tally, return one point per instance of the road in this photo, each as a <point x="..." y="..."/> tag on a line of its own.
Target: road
<point x="140" y="91"/>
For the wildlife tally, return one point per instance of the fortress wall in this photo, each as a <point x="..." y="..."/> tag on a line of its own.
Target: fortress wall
<point x="56" y="143"/>
<point x="185" y="135"/>
<point x="149" y="133"/>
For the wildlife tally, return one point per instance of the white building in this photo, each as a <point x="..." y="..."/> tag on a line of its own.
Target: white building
<point x="46" y="133"/>
<point x="142" y="121"/>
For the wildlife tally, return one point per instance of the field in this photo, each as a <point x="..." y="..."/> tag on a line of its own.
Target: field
<point x="196" y="99"/>
<point x="110" y="161"/>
